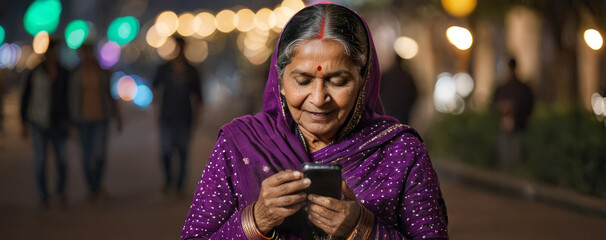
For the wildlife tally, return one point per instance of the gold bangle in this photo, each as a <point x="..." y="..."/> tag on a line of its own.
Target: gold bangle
<point x="364" y="225"/>
<point x="356" y="229"/>
<point x="368" y="223"/>
<point x="249" y="227"/>
<point x="246" y="222"/>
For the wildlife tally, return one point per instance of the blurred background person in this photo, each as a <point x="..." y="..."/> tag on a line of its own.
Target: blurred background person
<point x="514" y="102"/>
<point x="398" y="91"/>
<point x="177" y="86"/>
<point x="91" y="106"/>
<point x="44" y="112"/>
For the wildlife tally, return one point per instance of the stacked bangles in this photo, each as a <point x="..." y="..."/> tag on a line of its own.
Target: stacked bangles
<point x="249" y="226"/>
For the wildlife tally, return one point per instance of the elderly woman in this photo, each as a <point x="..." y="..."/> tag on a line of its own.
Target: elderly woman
<point x="321" y="104"/>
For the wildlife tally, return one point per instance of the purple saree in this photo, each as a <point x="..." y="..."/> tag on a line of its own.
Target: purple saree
<point x="384" y="162"/>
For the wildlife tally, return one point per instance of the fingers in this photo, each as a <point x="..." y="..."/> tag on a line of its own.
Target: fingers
<point x="287" y="210"/>
<point x="334" y="223"/>
<point x="267" y="217"/>
<point x="322" y="223"/>
<point x="281" y="196"/>
<point x="284" y="188"/>
<point x="284" y="212"/>
<point x="319" y="212"/>
<point x="289" y="200"/>
<point x="326" y="202"/>
<point x="282" y="177"/>
<point x="295" y="208"/>
<point x="335" y="217"/>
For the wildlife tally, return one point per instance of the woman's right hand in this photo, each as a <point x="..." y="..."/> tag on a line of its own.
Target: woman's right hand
<point x="281" y="196"/>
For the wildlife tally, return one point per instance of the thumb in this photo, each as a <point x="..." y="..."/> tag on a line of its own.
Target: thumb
<point x="348" y="193"/>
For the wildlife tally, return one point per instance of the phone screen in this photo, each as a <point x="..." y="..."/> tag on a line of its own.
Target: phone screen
<point x="325" y="179"/>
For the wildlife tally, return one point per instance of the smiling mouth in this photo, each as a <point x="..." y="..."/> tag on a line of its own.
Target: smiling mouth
<point x="320" y="114"/>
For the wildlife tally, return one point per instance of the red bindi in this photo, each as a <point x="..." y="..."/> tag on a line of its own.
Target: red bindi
<point x="319" y="68"/>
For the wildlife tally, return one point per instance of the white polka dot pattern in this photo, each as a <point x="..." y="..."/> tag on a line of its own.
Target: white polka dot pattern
<point x="392" y="177"/>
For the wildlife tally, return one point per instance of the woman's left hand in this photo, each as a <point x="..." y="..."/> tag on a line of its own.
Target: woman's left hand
<point x="336" y="217"/>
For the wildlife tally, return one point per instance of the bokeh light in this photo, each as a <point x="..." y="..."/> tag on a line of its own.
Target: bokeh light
<point x="186" y="24"/>
<point x="153" y="37"/>
<point x="265" y="19"/>
<point x="459" y="106"/>
<point x="42" y="15"/>
<point x="207" y="26"/>
<point x="446" y="88"/>
<point x="143" y="96"/>
<point x="406" y="47"/>
<point x="246" y="20"/>
<point x="293" y="5"/>
<point x="226" y="21"/>
<point x="123" y="30"/>
<point x="463" y="83"/>
<point x="593" y="38"/>
<point x="253" y="45"/>
<point x="598" y="104"/>
<point x="196" y="51"/>
<point x="9" y="55"/>
<point x="114" y="79"/>
<point x="131" y="88"/>
<point x="256" y="39"/>
<point x="40" y="43"/>
<point x="167" y="23"/>
<point x="445" y="97"/>
<point x="75" y="33"/>
<point x="127" y="88"/>
<point x="168" y="50"/>
<point x="459" y="8"/>
<point x="109" y="54"/>
<point x="283" y="14"/>
<point x="459" y="37"/>
<point x="2" y="34"/>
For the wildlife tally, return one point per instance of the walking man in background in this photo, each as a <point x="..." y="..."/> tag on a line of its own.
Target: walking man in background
<point x="91" y="105"/>
<point x="44" y="112"/>
<point x="514" y="102"/>
<point x="178" y="99"/>
<point x="399" y="91"/>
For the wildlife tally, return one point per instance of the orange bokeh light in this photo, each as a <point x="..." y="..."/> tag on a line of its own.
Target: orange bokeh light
<point x="127" y="88"/>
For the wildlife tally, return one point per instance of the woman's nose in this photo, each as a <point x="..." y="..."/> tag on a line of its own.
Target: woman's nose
<point x="319" y="94"/>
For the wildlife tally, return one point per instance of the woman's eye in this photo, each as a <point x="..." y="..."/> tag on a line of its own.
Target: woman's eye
<point x="338" y="81"/>
<point x="302" y="81"/>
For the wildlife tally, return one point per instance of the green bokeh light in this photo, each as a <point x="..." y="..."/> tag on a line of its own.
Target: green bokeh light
<point x="42" y="15"/>
<point x="123" y="30"/>
<point x="76" y="33"/>
<point x="2" y="33"/>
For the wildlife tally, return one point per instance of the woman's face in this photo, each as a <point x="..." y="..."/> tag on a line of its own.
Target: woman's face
<point x="320" y="86"/>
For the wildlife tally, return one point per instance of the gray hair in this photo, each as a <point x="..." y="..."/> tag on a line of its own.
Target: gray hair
<point x="325" y="21"/>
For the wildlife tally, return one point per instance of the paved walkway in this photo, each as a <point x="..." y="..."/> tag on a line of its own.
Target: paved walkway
<point x="476" y="214"/>
<point x="135" y="208"/>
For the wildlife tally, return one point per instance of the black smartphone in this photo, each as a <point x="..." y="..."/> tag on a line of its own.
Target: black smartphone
<point x="325" y="179"/>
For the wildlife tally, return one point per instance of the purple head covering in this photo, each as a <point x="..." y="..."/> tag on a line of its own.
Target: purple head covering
<point x="384" y="162"/>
